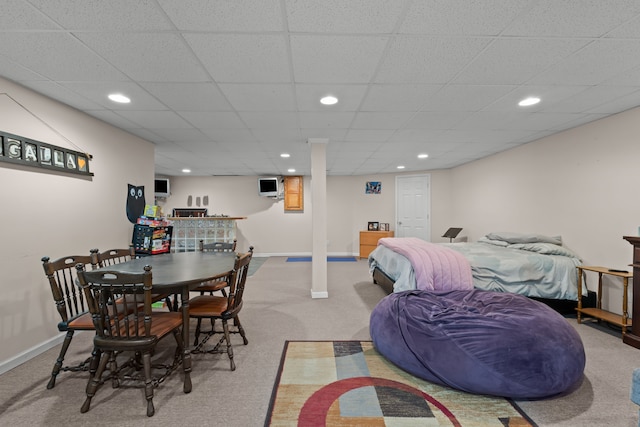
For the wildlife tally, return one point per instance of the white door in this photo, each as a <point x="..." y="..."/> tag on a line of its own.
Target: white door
<point x="413" y="205"/>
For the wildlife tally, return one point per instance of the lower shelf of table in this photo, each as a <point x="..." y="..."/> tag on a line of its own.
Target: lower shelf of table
<point x="607" y="316"/>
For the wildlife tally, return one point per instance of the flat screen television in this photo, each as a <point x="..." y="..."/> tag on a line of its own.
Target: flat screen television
<point x="162" y="187"/>
<point x="268" y="187"/>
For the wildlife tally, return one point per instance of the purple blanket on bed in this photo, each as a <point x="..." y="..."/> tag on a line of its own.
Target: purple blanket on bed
<point x="436" y="267"/>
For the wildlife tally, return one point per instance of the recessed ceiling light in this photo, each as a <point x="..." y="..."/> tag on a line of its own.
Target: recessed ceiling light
<point x="118" y="97"/>
<point x="423" y="156"/>
<point x="186" y="170"/>
<point x="329" y="100"/>
<point x="532" y="100"/>
<point x="285" y="155"/>
<point x="400" y="167"/>
<point x="291" y="170"/>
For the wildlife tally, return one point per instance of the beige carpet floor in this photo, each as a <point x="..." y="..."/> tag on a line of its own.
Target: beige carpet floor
<point x="278" y="307"/>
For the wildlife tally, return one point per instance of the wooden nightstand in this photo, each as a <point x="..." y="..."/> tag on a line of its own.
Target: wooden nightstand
<point x="369" y="241"/>
<point x="623" y="321"/>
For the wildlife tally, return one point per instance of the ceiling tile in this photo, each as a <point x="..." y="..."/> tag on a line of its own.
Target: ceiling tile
<point x="575" y="18"/>
<point x="369" y="135"/>
<point x="435" y="120"/>
<point x="593" y="97"/>
<point x="278" y="136"/>
<point x="516" y="61"/>
<point x="57" y="56"/>
<point x="270" y="120"/>
<point x="156" y="119"/>
<point x="142" y="56"/>
<point x="455" y="17"/>
<point x="230" y="136"/>
<point x="259" y="97"/>
<point x="100" y="15"/>
<point x="465" y="97"/>
<point x="386" y="97"/>
<point x="380" y="120"/>
<point x="247" y="57"/>
<point x="224" y="15"/>
<point x="328" y="120"/>
<point x="337" y="16"/>
<point x="599" y="61"/>
<point x="217" y="76"/>
<point x="335" y="59"/>
<point x="189" y="96"/>
<point x="20" y="15"/>
<point x="213" y="119"/>
<point x="414" y="59"/>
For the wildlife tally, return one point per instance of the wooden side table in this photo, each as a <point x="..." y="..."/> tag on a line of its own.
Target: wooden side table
<point x="369" y="241"/>
<point x="623" y="321"/>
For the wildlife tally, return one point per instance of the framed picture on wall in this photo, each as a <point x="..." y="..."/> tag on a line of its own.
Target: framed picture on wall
<point x="373" y="226"/>
<point x="373" y="187"/>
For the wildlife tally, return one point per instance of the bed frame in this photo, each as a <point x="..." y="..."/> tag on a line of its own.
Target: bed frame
<point x="561" y="306"/>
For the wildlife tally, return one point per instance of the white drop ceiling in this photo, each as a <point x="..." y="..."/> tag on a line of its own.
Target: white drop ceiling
<point x="224" y="87"/>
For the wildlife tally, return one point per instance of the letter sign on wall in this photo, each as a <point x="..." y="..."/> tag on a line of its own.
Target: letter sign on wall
<point x="19" y="150"/>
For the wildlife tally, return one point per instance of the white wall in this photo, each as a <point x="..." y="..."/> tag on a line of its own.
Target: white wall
<point x="272" y="231"/>
<point x="581" y="184"/>
<point x="49" y="214"/>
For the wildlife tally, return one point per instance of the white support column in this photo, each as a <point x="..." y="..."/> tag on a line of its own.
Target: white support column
<point x="319" y="217"/>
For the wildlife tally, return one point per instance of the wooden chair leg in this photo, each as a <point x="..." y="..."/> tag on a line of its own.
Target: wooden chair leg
<point x="225" y="326"/>
<point x="148" y="385"/>
<point x="95" y="359"/>
<point x="113" y="367"/>
<point x="197" y="332"/>
<point x="236" y="321"/>
<point x="94" y="382"/>
<point x="58" y="365"/>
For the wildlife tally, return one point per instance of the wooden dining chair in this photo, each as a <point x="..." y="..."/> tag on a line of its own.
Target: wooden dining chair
<point x="116" y="256"/>
<point x="71" y="306"/>
<point x="133" y="328"/>
<point x="221" y="283"/>
<point x="225" y="308"/>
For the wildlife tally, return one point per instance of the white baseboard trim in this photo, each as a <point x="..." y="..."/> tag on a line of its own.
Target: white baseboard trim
<point x="324" y="294"/>
<point x="28" y="354"/>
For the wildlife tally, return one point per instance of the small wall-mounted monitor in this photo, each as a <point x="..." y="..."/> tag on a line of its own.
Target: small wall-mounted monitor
<point x="162" y="187"/>
<point x="268" y="187"/>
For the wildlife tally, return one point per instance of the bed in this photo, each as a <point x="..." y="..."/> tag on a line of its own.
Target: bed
<point x="532" y="265"/>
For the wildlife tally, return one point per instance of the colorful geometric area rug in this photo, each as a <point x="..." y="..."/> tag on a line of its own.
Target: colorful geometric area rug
<point x="348" y="383"/>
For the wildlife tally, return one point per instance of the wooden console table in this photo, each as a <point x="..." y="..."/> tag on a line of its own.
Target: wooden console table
<point x="597" y="312"/>
<point x="633" y="337"/>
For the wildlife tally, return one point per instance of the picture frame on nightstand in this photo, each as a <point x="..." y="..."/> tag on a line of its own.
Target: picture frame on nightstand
<point x="373" y="226"/>
<point x="384" y="226"/>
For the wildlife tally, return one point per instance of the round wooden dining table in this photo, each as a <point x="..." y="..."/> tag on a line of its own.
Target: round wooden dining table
<point x="179" y="273"/>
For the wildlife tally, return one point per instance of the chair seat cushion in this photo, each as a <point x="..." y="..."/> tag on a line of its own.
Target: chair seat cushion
<point x="83" y="322"/>
<point x="479" y="341"/>
<point x="207" y="306"/>
<point x="212" y="286"/>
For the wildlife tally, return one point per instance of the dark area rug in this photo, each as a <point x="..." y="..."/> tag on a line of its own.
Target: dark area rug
<point x="349" y="383"/>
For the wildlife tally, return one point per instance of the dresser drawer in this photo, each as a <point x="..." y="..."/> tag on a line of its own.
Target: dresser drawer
<point x="369" y="241"/>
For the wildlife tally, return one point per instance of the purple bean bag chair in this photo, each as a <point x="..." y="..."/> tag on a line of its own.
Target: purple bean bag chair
<point x="480" y="342"/>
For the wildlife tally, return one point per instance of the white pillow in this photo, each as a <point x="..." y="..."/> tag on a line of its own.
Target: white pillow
<point x="524" y="238"/>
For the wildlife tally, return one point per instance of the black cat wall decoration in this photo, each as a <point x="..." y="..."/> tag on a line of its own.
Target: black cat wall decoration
<point x="135" y="202"/>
